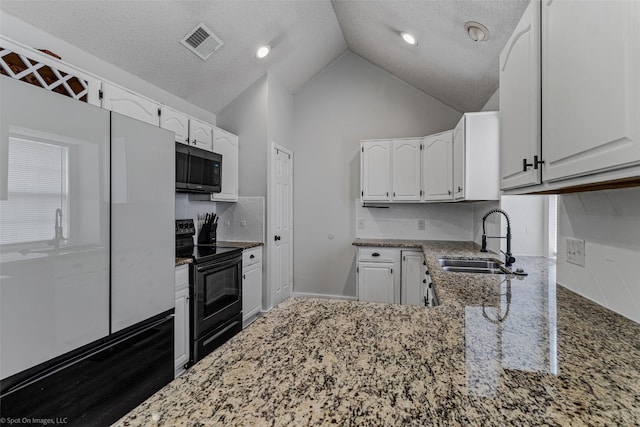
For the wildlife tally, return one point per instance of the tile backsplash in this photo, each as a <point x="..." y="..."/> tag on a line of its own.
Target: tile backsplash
<point x="240" y="221"/>
<point x="442" y="221"/>
<point x="609" y="223"/>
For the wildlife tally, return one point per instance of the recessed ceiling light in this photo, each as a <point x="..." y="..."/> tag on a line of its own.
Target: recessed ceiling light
<point x="263" y="51"/>
<point x="477" y="32"/>
<point x="410" y="39"/>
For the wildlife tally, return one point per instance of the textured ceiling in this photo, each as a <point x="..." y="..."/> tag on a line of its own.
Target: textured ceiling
<point x="143" y="37"/>
<point x="446" y="63"/>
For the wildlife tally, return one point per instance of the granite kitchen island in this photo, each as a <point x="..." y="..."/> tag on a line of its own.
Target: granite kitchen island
<point x="499" y="350"/>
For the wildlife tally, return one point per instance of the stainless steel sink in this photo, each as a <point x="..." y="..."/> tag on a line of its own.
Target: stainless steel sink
<point x="479" y="266"/>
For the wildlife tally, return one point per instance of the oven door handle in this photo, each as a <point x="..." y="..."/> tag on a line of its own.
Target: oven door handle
<point x="213" y="338"/>
<point x="218" y="265"/>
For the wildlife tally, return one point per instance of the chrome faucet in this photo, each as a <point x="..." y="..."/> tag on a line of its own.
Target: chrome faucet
<point x="508" y="258"/>
<point x="59" y="232"/>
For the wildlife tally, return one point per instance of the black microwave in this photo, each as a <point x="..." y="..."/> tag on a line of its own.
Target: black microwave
<point x="197" y="170"/>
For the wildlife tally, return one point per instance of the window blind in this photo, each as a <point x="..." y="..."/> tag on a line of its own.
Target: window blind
<point x="37" y="185"/>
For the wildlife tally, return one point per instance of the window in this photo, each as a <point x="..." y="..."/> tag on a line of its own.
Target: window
<point x="37" y="185"/>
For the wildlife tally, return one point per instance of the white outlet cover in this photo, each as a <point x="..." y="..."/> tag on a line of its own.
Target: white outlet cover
<point x="361" y="224"/>
<point x="421" y="224"/>
<point x="575" y="251"/>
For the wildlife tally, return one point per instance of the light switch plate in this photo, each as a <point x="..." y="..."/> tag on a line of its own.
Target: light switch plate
<point x="361" y="224"/>
<point x="575" y="251"/>
<point x="421" y="224"/>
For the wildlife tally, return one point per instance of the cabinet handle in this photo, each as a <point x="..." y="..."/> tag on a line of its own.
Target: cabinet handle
<point x="194" y="142"/>
<point x="459" y="189"/>
<point x="387" y="194"/>
<point x="252" y="257"/>
<point x="391" y="270"/>
<point x="537" y="162"/>
<point x="525" y="165"/>
<point x="375" y="254"/>
<point x="186" y="140"/>
<point x="424" y="281"/>
<point x="449" y="192"/>
<point x="394" y="194"/>
<point x="244" y="276"/>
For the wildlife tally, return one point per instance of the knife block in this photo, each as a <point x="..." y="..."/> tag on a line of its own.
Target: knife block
<point x="208" y="234"/>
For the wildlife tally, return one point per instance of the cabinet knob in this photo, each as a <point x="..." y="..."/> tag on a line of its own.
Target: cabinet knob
<point x="252" y="257"/>
<point x="449" y="192"/>
<point x="424" y="281"/>
<point x="244" y="276"/>
<point x="375" y="254"/>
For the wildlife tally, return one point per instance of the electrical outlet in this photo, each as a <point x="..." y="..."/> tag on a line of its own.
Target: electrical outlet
<point x="421" y="224"/>
<point x="575" y="251"/>
<point x="361" y="224"/>
<point x="227" y="223"/>
<point x="243" y="223"/>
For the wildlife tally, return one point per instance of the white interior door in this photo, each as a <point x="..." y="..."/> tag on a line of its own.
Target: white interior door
<point x="282" y="224"/>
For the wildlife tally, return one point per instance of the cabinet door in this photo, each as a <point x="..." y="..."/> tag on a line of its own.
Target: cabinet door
<point x="413" y="279"/>
<point x="437" y="167"/>
<point x="376" y="171"/>
<point x="459" y="159"/>
<point x="226" y="144"/>
<point x="520" y="102"/>
<point x="251" y="292"/>
<point x="130" y="104"/>
<point x="176" y="122"/>
<point x="406" y="169"/>
<point x="376" y="282"/>
<point x="200" y="134"/>
<point x="181" y="318"/>
<point x="590" y="86"/>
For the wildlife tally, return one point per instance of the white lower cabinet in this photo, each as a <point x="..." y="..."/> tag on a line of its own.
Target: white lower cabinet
<point x="251" y="285"/>
<point x="378" y="275"/>
<point x="181" y="319"/>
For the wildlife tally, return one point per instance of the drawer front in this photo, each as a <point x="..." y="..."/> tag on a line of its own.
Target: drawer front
<point x="182" y="276"/>
<point x="378" y="254"/>
<point x="251" y="256"/>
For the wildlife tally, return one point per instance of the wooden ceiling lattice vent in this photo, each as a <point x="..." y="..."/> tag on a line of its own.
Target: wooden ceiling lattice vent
<point x="21" y="68"/>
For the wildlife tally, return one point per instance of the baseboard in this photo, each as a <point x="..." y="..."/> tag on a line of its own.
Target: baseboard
<point x="311" y="295"/>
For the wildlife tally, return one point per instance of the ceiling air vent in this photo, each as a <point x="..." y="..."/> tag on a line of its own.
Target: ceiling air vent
<point x="201" y="41"/>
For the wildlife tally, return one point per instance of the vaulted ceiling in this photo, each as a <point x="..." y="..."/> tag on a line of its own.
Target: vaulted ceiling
<point x="142" y="37"/>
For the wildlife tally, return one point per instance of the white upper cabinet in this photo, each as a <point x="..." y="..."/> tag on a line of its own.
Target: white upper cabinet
<point x="590" y="87"/>
<point x="375" y="164"/>
<point x="437" y="166"/>
<point x="406" y="169"/>
<point x="200" y="134"/>
<point x="458" y="160"/>
<point x="176" y="122"/>
<point x="129" y="104"/>
<point x="226" y="143"/>
<point x="476" y="151"/>
<point x="520" y="103"/>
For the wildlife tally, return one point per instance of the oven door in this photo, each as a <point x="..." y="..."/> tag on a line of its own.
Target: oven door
<point x="217" y="294"/>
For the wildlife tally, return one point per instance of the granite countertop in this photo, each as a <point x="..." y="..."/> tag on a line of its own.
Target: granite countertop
<point x="499" y="350"/>
<point x="243" y="245"/>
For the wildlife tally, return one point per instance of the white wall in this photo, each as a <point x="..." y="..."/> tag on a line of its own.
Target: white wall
<point x="609" y="223"/>
<point x="527" y="215"/>
<point x="280" y="113"/>
<point x="246" y="116"/>
<point x="21" y="32"/>
<point x="349" y="100"/>
<point x="493" y="103"/>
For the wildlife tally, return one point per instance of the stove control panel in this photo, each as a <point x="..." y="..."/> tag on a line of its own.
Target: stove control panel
<point x="185" y="227"/>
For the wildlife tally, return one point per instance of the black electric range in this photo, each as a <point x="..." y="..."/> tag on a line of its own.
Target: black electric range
<point x="215" y="291"/>
<point x="185" y="247"/>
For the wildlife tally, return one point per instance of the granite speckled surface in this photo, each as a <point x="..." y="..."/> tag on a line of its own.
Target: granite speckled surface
<point x="183" y="261"/>
<point x="243" y="245"/>
<point x="498" y="351"/>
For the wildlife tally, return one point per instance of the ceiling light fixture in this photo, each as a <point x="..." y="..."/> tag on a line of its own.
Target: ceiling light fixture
<point x="409" y="38"/>
<point x="263" y="51"/>
<point x="477" y="32"/>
